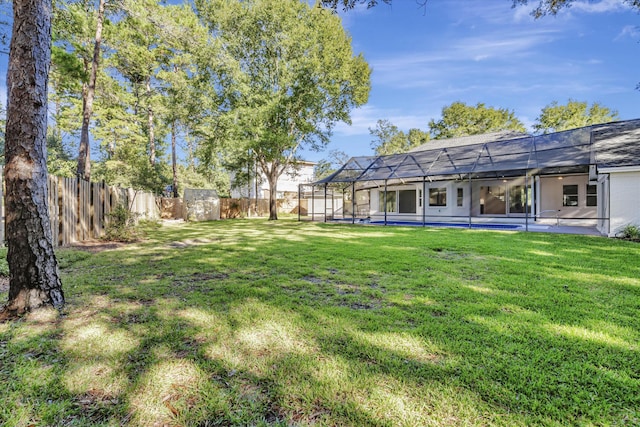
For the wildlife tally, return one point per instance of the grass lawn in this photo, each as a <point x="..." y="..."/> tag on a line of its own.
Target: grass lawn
<point x="249" y="322"/>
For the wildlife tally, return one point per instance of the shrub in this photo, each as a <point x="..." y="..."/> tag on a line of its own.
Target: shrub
<point x="630" y="232"/>
<point x="122" y="226"/>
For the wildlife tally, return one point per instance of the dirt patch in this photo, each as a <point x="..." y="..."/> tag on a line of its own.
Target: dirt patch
<point x="96" y="246"/>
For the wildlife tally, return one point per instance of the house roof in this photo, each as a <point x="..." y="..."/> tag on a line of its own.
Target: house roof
<point x="503" y="154"/>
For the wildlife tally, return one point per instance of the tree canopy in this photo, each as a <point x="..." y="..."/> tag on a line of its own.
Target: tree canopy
<point x="574" y="114"/>
<point x="460" y="119"/>
<point x="295" y="77"/>
<point x="388" y="139"/>
<point x="552" y="7"/>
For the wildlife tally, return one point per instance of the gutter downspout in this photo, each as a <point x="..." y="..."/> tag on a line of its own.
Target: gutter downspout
<point x="470" y="199"/>
<point x="385" y="202"/>
<point x="526" y="200"/>
<point x="325" y="201"/>
<point x="353" y="202"/>
<point x="424" y="200"/>
<point x="299" y="200"/>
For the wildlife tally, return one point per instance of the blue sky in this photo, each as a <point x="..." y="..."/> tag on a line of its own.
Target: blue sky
<point x="486" y="51"/>
<point x="483" y="51"/>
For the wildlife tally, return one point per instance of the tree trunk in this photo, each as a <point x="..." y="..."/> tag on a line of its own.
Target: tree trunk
<point x="173" y="160"/>
<point x="84" y="152"/>
<point x="34" y="276"/>
<point x="272" y="176"/>
<point x="152" y="137"/>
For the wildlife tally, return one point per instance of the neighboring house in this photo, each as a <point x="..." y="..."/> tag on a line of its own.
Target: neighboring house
<point x="293" y="176"/>
<point x="588" y="177"/>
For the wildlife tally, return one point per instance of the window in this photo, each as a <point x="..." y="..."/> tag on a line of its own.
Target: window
<point x="569" y="195"/>
<point x="592" y="195"/>
<point x="437" y="197"/>
<point x="391" y="201"/>
<point x="460" y="198"/>
<point x="407" y="201"/>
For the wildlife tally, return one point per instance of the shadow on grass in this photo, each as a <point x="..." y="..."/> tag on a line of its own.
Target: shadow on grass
<point x="256" y="323"/>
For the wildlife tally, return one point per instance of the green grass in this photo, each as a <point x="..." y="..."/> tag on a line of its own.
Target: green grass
<point x="251" y="322"/>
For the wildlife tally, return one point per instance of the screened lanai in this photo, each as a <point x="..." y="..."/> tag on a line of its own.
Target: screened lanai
<point x="467" y="180"/>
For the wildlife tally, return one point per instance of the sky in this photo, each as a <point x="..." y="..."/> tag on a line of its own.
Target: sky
<point x="486" y="51"/>
<point x="424" y="58"/>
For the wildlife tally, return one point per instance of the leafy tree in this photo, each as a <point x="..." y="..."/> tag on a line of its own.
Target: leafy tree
<point x="575" y="114"/>
<point x="60" y="162"/>
<point x="297" y="77"/>
<point x="139" y="50"/>
<point x="78" y="27"/>
<point x="34" y="275"/>
<point x="552" y="7"/>
<point x="460" y="119"/>
<point x="388" y="139"/>
<point x="329" y="165"/>
<point x="182" y="100"/>
<point x="350" y="4"/>
<point x="88" y="92"/>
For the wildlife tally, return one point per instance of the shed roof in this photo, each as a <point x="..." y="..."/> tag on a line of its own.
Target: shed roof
<point x="503" y="154"/>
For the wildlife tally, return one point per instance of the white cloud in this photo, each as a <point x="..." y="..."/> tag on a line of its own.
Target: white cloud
<point x="631" y="31"/>
<point x="366" y="117"/>
<point x="459" y="58"/>
<point x="602" y="6"/>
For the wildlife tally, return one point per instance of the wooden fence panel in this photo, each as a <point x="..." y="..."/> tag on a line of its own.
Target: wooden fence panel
<point x="69" y="211"/>
<point x="84" y="210"/>
<point x="97" y="218"/>
<point x="54" y="208"/>
<point x="79" y="210"/>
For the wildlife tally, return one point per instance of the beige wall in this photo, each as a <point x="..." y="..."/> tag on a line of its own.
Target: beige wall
<point x="551" y="196"/>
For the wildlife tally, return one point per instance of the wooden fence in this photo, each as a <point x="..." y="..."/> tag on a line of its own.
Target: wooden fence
<point x="80" y="210"/>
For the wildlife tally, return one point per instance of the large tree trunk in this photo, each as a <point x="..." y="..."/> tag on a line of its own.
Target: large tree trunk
<point x="174" y="163"/>
<point x="84" y="152"/>
<point x="152" y="137"/>
<point x="35" y="279"/>
<point x="272" y="177"/>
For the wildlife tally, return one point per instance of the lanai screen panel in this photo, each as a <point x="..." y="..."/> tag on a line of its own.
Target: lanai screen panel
<point x="455" y="161"/>
<point x="505" y="158"/>
<point x="410" y="167"/>
<point x="383" y="168"/>
<point x="569" y="148"/>
<point x="608" y="145"/>
<point x="617" y="144"/>
<point x="351" y="171"/>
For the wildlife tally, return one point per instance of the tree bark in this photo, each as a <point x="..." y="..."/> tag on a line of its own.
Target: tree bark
<point x="272" y="176"/>
<point x="152" y="137"/>
<point x="174" y="163"/>
<point x="34" y="276"/>
<point x="84" y="152"/>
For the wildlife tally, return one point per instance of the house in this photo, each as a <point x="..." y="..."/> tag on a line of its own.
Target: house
<point x="586" y="177"/>
<point x="258" y="186"/>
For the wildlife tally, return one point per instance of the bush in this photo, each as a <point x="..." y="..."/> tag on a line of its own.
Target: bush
<point x="122" y="226"/>
<point x="630" y="232"/>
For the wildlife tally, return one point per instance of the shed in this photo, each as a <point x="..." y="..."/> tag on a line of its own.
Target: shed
<point x="201" y="205"/>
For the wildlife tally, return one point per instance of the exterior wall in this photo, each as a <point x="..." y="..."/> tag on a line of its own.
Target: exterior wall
<point x="624" y="190"/>
<point x="316" y="204"/>
<point x="287" y="183"/>
<point x="484" y="203"/>
<point x="450" y="212"/>
<point x="377" y="194"/>
<point x="491" y="199"/>
<point x="552" y="199"/>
